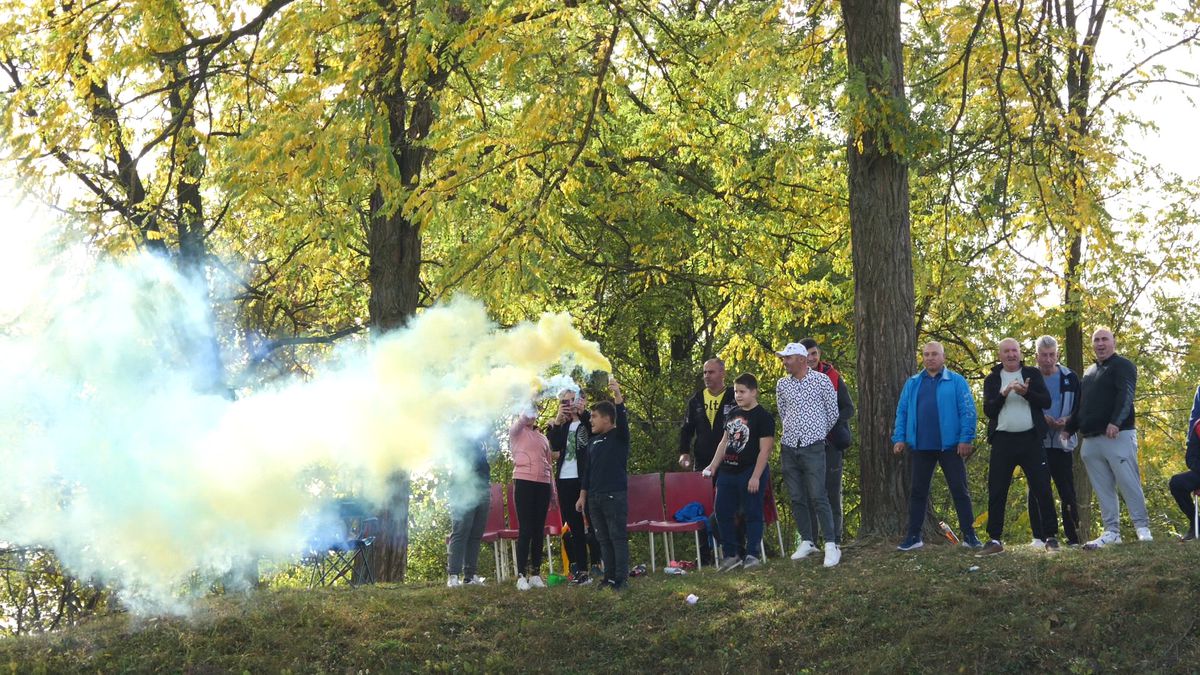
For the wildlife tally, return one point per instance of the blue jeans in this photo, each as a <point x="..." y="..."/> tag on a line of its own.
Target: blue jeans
<point x="732" y="494"/>
<point x="923" y="464"/>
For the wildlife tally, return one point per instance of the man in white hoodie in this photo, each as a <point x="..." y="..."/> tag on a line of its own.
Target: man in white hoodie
<point x="1064" y="403"/>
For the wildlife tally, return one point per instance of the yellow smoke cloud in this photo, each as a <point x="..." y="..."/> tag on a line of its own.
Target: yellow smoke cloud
<point x="114" y="461"/>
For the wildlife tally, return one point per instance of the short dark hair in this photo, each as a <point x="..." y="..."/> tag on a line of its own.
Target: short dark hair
<point x="809" y="343"/>
<point x="605" y="408"/>
<point x="747" y="380"/>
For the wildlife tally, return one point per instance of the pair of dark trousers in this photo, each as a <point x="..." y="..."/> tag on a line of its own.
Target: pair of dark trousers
<point x="609" y="511"/>
<point x="1062" y="473"/>
<point x="804" y="474"/>
<point x="733" y="494"/>
<point x="1182" y="486"/>
<point x="955" y="471"/>
<point x="577" y="544"/>
<point x="533" y="499"/>
<point x="1023" y="449"/>
<point x="834" y="460"/>
<point x="466" y="534"/>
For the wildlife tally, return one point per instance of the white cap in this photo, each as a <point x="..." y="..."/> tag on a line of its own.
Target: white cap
<point x="793" y="349"/>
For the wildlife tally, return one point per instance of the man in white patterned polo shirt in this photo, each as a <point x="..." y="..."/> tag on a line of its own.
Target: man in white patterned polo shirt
<point x="808" y="408"/>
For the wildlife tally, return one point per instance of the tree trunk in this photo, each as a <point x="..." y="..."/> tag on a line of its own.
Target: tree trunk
<point x="882" y="256"/>
<point x="1073" y="345"/>
<point x="394" y="273"/>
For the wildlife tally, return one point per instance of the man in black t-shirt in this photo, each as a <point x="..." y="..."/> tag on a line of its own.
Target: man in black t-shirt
<point x="740" y="463"/>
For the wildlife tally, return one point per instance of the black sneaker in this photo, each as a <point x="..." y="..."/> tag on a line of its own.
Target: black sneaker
<point x="993" y="547"/>
<point x="1052" y="544"/>
<point x="1190" y="536"/>
<point x="580" y="579"/>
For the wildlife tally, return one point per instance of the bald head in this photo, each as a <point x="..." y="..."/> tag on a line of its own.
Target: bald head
<point x="1104" y="344"/>
<point x="1009" y="354"/>
<point x="714" y="376"/>
<point x="934" y="357"/>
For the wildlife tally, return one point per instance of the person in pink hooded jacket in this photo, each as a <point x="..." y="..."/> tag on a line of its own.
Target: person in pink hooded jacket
<point x="532" y="491"/>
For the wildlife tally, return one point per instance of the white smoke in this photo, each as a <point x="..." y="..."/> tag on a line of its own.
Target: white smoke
<point x="112" y="458"/>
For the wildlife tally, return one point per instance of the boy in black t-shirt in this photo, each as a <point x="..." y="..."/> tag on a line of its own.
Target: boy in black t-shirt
<point x="741" y="467"/>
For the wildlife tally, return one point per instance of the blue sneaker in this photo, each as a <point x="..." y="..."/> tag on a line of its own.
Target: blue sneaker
<point x="910" y="543"/>
<point x="971" y="541"/>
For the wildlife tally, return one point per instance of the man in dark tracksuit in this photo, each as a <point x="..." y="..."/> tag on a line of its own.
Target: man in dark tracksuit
<point x="1183" y="484"/>
<point x="703" y="426"/>
<point x="1014" y="396"/>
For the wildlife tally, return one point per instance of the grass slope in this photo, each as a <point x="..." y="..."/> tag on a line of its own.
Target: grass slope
<point x="1130" y="608"/>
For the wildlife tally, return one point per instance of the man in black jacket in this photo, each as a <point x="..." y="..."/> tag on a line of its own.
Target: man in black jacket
<point x="1184" y="484"/>
<point x="704" y="419"/>
<point x="703" y="426"/>
<point x="1106" y="423"/>
<point x="1014" y="396"/>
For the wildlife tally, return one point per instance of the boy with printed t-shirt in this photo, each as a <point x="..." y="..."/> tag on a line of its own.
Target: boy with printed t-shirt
<point x="741" y="467"/>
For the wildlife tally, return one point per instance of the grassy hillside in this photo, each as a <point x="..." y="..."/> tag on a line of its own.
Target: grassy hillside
<point x="1133" y="607"/>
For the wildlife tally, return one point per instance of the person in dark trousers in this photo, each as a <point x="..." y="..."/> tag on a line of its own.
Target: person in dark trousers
<point x="703" y="425"/>
<point x="1014" y="396"/>
<point x="1184" y="484"/>
<point x="836" y="442"/>
<point x="936" y="418"/>
<point x="740" y="465"/>
<point x="605" y="483"/>
<point x="1107" y="423"/>
<point x="569" y="434"/>
<point x="1063" y="385"/>
<point x="468" y="516"/>
<point x="532" y="491"/>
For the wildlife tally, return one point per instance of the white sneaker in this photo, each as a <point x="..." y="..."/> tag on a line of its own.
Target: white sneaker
<point x="805" y="549"/>
<point x="1103" y="540"/>
<point x="522" y="583"/>
<point x="1144" y="534"/>
<point x="750" y="562"/>
<point x="1038" y="545"/>
<point x="535" y="581"/>
<point x="833" y="554"/>
<point x="453" y="581"/>
<point x="475" y="580"/>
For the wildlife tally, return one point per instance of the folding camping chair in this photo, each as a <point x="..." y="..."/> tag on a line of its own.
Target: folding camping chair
<point x="645" y="506"/>
<point x="342" y="554"/>
<point x="770" y="515"/>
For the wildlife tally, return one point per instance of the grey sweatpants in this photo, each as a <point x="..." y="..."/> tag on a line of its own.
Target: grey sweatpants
<point x="466" y="536"/>
<point x="1112" y="465"/>
<point x="804" y="475"/>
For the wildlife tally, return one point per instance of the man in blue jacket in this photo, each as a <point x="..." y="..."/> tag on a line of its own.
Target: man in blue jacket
<point x="936" y="419"/>
<point x="1183" y="484"/>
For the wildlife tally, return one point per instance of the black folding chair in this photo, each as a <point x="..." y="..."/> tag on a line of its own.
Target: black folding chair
<point x="344" y="550"/>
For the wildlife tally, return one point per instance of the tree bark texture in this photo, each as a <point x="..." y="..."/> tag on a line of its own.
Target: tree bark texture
<point x="882" y="254"/>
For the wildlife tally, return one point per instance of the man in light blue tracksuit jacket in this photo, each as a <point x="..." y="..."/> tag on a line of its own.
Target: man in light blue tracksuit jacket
<point x="936" y="419"/>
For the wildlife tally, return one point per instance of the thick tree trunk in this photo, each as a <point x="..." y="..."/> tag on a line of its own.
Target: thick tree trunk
<point x="882" y="255"/>
<point x="1073" y="345"/>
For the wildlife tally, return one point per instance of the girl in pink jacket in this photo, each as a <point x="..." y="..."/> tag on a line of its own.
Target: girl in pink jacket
<point x="532" y="492"/>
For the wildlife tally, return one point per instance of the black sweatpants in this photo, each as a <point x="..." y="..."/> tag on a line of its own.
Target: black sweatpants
<point x="577" y="543"/>
<point x="1182" y="485"/>
<point x="1062" y="473"/>
<point x="533" y="499"/>
<point x="1023" y="449"/>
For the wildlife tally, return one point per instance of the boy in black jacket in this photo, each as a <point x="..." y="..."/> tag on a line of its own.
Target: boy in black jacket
<point x="605" y="485"/>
